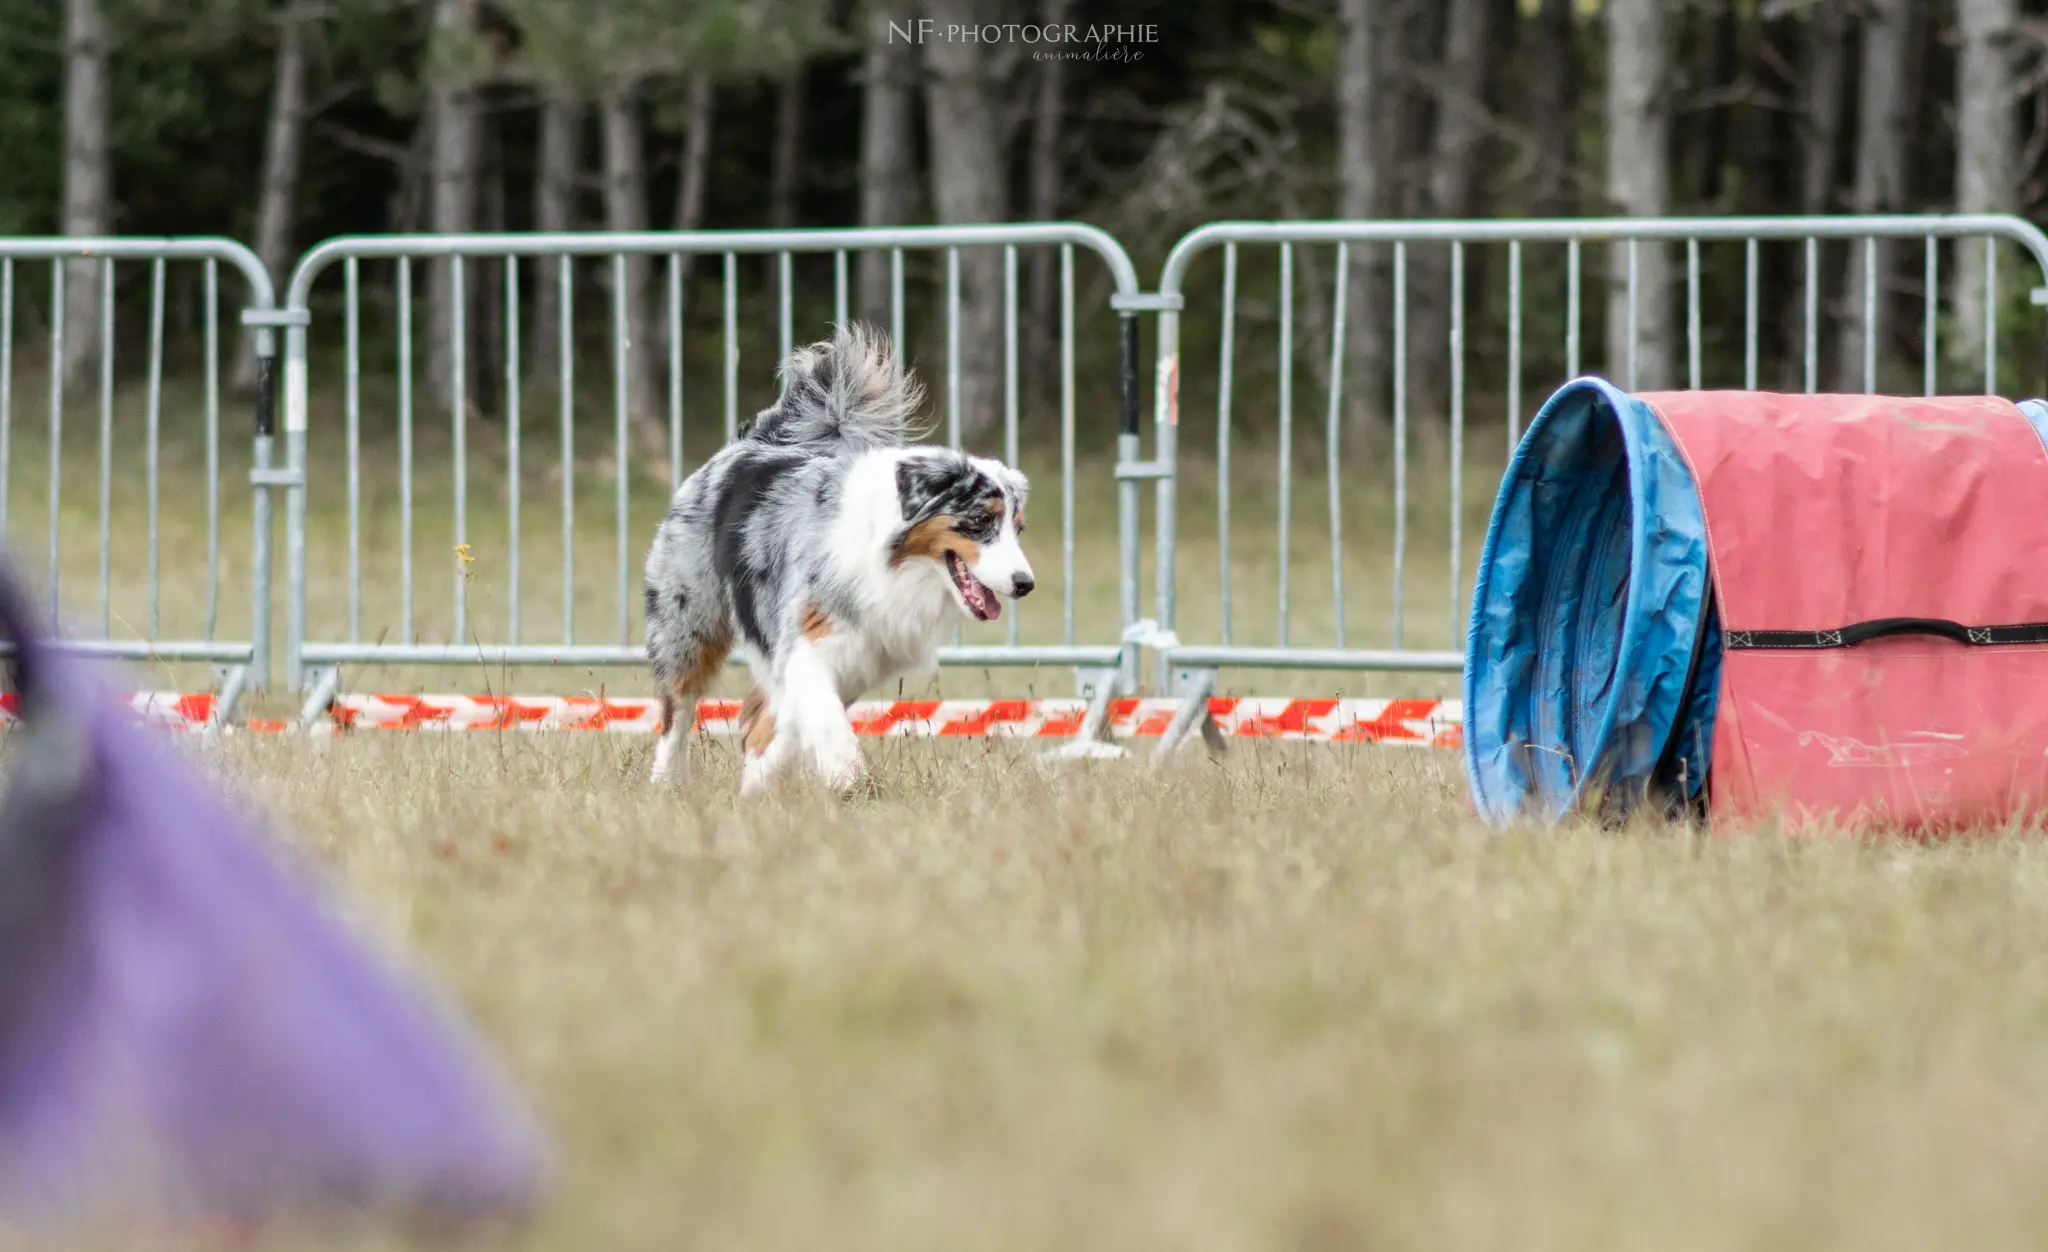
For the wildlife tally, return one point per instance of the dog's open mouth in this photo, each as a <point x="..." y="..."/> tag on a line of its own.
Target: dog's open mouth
<point x="980" y="601"/>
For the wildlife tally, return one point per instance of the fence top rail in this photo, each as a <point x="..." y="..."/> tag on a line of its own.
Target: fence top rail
<point x="1606" y="230"/>
<point x="663" y="243"/>
<point x="144" y="248"/>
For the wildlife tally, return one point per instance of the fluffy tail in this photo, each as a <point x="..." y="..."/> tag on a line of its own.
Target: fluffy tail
<point x="841" y="395"/>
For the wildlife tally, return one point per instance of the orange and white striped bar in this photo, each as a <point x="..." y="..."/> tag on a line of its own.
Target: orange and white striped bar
<point x="1424" y="723"/>
<point x="1420" y="723"/>
<point x="165" y="710"/>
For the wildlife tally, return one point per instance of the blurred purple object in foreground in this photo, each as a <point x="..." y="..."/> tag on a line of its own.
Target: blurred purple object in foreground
<point x="187" y="1029"/>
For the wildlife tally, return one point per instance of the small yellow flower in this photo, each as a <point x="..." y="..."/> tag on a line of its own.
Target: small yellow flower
<point x="462" y="550"/>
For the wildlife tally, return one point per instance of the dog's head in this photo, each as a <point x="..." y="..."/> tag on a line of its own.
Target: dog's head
<point x="966" y="514"/>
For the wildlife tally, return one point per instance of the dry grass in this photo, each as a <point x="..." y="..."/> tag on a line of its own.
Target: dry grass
<point x="1298" y="999"/>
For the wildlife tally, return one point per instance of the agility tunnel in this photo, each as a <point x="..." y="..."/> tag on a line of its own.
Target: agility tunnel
<point x="1822" y="607"/>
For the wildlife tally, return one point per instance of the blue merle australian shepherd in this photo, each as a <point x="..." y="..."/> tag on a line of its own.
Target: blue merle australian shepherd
<point x="831" y="553"/>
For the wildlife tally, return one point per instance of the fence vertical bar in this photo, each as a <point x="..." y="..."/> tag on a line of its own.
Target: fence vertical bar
<point x="57" y="298"/>
<point x="1571" y="310"/>
<point x="1457" y="347"/>
<point x="1066" y="432"/>
<point x="566" y="363"/>
<point x="1010" y="453"/>
<point x="1749" y="328"/>
<point x="675" y="371"/>
<point x="1224" y="378"/>
<point x="212" y="348"/>
<point x="1331" y="437"/>
<point x="896" y="311"/>
<point x="1990" y="317"/>
<point x="353" y="416"/>
<point x="621" y="367"/>
<point x="953" y="361"/>
<point x="1286" y="424"/>
<point x="459" y="356"/>
<point x="1812" y="338"/>
<point x="1692" y="313"/>
<point x="839" y="288"/>
<point x="1869" y="316"/>
<point x="1401" y="422"/>
<point x="1127" y="489"/>
<point x="513" y="476"/>
<point x="1634" y="313"/>
<point x="155" y="425"/>
<point x="6" y="386"/>
<point x="732" y="348"/>
<point x="953" y="347"/>
<point x="1514" y="344"/>
<point x="405" y="468"/>
<point x="106" y="444"/>
<point x="785" y="323"/>
<point x="1927" y="333"/>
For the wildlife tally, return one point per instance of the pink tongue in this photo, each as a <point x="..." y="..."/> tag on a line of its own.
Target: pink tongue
<point x="984" y="599"/>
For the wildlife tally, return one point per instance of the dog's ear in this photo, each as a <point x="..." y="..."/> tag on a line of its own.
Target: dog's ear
<point x="931" y="484"/>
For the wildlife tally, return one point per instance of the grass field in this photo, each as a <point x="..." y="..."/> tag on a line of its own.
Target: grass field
<point x="1294" y="1000"/>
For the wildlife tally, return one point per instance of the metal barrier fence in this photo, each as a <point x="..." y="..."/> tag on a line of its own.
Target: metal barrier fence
<point x="317" y="643"/>
<point x="191" y="627"/>
<point x="353" y="594"/>
<point x="1190" y="669"/>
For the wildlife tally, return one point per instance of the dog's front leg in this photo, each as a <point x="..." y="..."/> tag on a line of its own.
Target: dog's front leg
<point x="818" y="720"/>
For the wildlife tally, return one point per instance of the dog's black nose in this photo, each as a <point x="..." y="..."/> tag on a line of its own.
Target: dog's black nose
<point x="1021" y="586"/>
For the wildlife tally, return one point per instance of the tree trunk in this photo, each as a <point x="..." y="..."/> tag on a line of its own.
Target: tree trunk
<point x="1042" y="338"/>
<point x="88" y="178"/>
<point x="969" y="169"/>
<point x="1452" y="172"/>
<point x="1725" y="77"/>
<point x="1639" y="185"/>
<point x="625" y="209"/>
<point x="1883" y="116"/>
<point x="888" y="149"/>
<point x="1360" y="192"/>
<point x="280" y="178"/>
<point x="554" y="212"/>
<point x="785" y="181"/>
<point x="692" y="180"/>
<point x="1821" y="82"/>
<point x="1987" y="157"/>
<point x="696" y="156"/>
<point x="1552" y="67"/>
<point x="452" y="113"/>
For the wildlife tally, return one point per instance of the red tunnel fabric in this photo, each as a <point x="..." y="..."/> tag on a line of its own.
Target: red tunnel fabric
<point x="1827" y="511"/>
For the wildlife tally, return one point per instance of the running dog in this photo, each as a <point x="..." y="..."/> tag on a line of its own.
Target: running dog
<point x="832" y="554"/>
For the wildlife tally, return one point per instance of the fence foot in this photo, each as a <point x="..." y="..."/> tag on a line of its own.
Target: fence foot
<point x="234" y="679"/>
<point x="1195" y="688"/>
<point x="326" y="681"/>
<point x="1091" y="742"/>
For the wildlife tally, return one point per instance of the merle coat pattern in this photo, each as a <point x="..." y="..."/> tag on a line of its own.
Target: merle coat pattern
<point x="830" y="555"/>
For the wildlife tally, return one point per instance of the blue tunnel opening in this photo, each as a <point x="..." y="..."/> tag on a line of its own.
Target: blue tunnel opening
<point x="1593" y="654"/>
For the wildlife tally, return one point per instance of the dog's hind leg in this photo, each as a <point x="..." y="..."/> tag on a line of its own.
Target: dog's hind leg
<point x="681" y="685"/>
<point x="672" y="750"/>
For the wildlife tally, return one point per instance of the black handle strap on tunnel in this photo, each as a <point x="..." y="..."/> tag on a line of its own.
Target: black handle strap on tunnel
<point x="1887" y="628"/>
